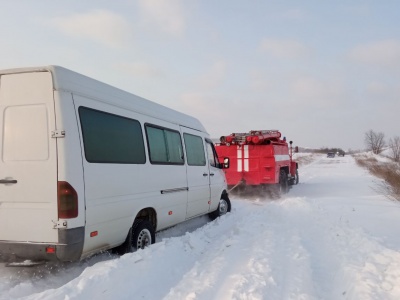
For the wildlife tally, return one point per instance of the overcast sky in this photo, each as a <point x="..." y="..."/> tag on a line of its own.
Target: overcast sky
<point x="322" y="72"/>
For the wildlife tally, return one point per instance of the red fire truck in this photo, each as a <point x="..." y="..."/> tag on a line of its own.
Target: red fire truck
<point x="260" y="159"/>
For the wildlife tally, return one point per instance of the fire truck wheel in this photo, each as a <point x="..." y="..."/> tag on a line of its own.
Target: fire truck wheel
<point x="283" y="182"/>
<point x="224" y="207"/>
<point x="296" y="180"/>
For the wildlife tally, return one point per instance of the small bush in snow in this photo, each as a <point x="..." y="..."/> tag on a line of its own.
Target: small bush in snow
<point x="394" y="146"/>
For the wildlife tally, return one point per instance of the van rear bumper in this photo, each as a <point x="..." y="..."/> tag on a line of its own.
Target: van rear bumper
<point x="69" y="248"/>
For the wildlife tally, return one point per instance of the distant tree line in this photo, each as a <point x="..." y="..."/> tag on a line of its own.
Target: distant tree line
<point x="375" y="142"/>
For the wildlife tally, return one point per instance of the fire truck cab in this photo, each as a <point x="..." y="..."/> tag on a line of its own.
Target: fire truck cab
<point x="259" y="159"/>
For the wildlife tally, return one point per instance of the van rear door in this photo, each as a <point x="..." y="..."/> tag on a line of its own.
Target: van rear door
<point x="28" y="158"/>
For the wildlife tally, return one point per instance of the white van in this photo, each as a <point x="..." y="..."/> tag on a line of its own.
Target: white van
<point x="86" y="167"/>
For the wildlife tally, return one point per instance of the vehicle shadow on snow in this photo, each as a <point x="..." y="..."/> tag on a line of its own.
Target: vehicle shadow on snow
<point x="52" y="275"/>
<point x="182" y="228"/>
<point x="29" y="279"/>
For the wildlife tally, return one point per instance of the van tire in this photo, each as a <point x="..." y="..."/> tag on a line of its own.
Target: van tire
<point x="143" y="234"/>
<point x="224" y="207"/>
<point x="140" y="235"/>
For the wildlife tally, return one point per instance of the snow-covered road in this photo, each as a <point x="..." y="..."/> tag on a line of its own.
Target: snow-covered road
<point x="334" y="236"/>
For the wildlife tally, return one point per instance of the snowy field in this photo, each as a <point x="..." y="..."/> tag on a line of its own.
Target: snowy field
<point x="334" y="236"/>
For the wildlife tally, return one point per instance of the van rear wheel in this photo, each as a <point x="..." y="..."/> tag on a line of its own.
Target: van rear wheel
<point x="143" y="234"/>
<point x="140" y="235"/>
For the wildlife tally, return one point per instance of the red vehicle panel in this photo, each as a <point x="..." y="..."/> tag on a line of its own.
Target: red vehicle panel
<point x="258" y="158"/>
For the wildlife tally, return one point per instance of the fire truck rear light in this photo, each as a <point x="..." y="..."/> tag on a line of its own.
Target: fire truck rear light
<point x="50" y="249"/>
<point x="67" y="201"/>
<point x="255" y="139"/>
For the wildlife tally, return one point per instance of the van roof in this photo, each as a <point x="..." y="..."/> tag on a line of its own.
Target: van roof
<point x="70" y="81"/>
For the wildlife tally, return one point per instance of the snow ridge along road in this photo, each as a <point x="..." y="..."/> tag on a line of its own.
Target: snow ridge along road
<point x="334" y="236"/>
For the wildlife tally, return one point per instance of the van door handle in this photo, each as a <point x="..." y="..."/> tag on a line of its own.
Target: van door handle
<point x="7" y="181"/>
<point x="205" y="174"/>
<point x="211" y="174"/>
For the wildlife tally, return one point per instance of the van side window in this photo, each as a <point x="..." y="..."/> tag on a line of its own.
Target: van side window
<point x="194" y="150"/>
<point x="212" y="156"/>
<point x="165" y="145"/>
<point x="109" y="138"/>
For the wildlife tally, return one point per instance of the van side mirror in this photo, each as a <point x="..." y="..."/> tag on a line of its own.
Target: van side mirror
<point x="226" y="163"/>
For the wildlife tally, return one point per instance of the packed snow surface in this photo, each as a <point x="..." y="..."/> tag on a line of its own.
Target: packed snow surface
<point x="333" y="236"/>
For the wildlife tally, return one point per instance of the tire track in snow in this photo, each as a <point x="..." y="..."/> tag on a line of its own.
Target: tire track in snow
<point x="264" y="257"/>
<point x="306" y="246"/>
<point x="369" y="269"/>
<point x="288" y="249"/>
<point x="230" y="251"/>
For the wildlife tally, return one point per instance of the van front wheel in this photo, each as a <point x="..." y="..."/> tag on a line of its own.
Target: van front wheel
<point x="224" y="207"/>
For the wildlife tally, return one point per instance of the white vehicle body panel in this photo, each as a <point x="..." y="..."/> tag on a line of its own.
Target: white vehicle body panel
<point x="217" y="178"/>
<point x="198" y="182"/>
<point x="28" y="155"/>
<point x="36" y="103"/>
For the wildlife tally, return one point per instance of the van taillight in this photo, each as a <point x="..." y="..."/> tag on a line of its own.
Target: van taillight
<point x="67" y="201"/>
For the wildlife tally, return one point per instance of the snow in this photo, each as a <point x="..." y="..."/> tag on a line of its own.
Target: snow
<point x="384" y="157"/>
<point x="387" y="153"/>
<point x="333" y="236"/>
